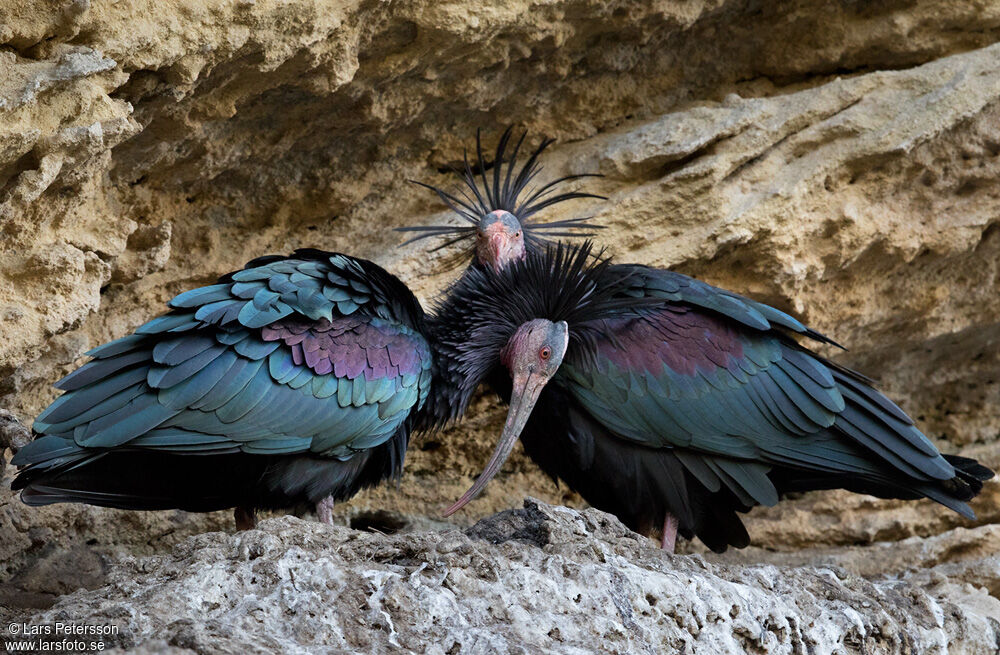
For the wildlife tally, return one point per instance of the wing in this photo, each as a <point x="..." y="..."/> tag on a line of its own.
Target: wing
<point x="678" y="288"/>
<point x="736" y="402"/>
<point x="315" y="353"/>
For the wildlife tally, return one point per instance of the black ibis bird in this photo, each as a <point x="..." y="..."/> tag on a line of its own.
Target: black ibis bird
<point x="659" y="398"/>
<point x="294" y="380"/>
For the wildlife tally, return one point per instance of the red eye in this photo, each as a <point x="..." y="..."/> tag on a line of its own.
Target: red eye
<point x="517" y="235"/>
<point x="545" y="352"/>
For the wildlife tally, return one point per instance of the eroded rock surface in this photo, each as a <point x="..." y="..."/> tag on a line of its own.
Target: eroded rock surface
<point x="541" y="579"/>
<point x="839" y="160"/>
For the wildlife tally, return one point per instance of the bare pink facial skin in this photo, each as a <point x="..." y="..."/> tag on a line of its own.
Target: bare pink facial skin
<point x="499" y="240"/>
<point x="535" y="350"/>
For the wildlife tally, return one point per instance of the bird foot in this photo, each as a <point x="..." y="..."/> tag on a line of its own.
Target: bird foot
<point x="324" y="510"/>
<point x="669" y="539"/>
<point x="246" y="518"/>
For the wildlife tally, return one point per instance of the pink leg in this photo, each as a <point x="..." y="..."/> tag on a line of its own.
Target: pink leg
<point x="324" y="510"/>
<point x="669" y="539"/>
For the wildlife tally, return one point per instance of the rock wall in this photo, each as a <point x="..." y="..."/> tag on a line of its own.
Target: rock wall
<point x="837" y="159"/>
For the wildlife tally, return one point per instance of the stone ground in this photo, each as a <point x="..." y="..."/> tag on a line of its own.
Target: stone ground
<point x="541" y="579"/>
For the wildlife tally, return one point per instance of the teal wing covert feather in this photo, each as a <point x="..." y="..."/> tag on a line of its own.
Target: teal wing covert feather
<point x="317" y="353"/>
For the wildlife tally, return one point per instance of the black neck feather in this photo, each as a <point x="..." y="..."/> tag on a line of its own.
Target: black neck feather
<point x="481" y="311"/>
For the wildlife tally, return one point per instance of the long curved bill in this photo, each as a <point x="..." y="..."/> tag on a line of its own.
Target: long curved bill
<point x="522" y="401"/>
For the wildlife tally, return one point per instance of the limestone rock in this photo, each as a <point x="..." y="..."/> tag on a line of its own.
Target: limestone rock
<point x="13" y="435"/>
<point x="541" y="579"/>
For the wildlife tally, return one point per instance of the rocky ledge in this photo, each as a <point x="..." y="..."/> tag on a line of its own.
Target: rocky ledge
<point x="542" y="579"/>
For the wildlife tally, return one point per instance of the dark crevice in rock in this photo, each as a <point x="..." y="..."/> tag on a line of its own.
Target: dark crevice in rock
<point x="380" y="521"/>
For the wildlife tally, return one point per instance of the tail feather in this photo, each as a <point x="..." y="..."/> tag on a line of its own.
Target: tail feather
<point x="59" y="491"/>
<point x="143" y="481"/>
<point x="969" y="477"/>
<point x="138" y="479"/>
<point x="941" y="494"/>
<point x="953" y="493"/>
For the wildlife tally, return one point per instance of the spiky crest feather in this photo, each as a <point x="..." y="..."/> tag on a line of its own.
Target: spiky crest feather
<point x="508" y="191"/>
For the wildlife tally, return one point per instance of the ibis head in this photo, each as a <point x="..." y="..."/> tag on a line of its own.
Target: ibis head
<point x="499" y="240"/>
<point x="500" y="206"/>
<point x="532" y="356"/>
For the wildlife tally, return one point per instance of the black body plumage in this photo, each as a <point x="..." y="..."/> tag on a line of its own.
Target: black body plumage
<point x="675" y="396"/>
<point x="295" y="379"/>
